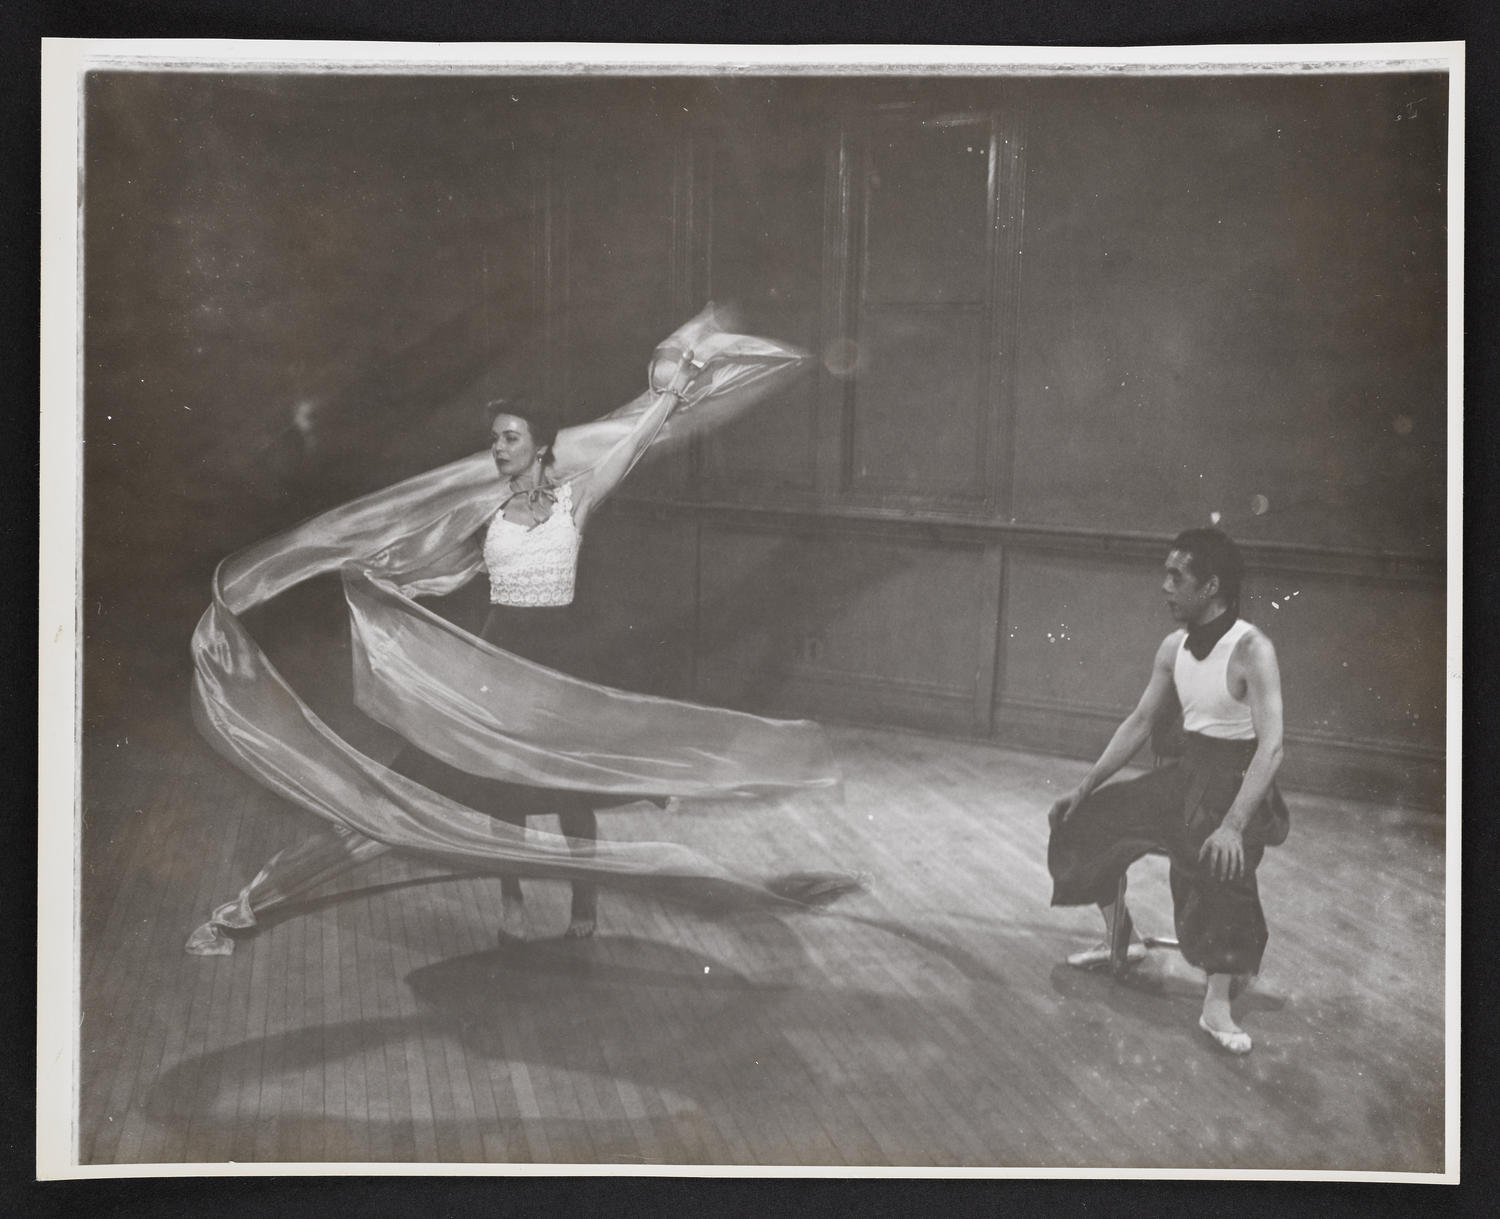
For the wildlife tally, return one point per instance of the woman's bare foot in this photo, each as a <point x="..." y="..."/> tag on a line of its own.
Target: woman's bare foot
<point x="512" y="919"/>
<point x="580" y="929"/>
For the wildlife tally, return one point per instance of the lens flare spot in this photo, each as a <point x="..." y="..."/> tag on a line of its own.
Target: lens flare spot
<point x="840" y="357"/>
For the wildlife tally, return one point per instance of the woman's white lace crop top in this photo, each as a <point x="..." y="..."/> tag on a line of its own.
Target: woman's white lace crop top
<point x="536" y="565"/>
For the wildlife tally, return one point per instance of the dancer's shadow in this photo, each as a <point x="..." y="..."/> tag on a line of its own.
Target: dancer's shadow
<point x="652" y="1012"/>
<point x="717" y="1027"/>
<point x="724" y="1027"/>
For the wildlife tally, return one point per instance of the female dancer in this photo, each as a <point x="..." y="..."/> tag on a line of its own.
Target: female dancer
<point x="531" y="548"/>
<point x="485" y="717"/>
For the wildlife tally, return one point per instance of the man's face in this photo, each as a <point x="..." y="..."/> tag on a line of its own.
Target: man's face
<point x="1188" y="598"/>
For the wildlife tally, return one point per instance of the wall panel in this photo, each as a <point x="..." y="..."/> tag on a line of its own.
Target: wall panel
<point x="618" y="270"/>
<point x="927" y="209"/>
<point x="1235" y="289"/>
<point x="1079" y="631"/>
<point x="637" y="585"/>
<point x="867" y="625"/>
<point x="920" y="367"/>
<point x="1189" y="295"/>
<point x="921" y="412"/>
<point x="1360" y="658"/>
<point x="761" y="240"/>
<point x="1362" y="669"/>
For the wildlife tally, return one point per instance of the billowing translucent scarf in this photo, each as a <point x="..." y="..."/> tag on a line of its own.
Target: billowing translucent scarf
<point x="477" y="706"/>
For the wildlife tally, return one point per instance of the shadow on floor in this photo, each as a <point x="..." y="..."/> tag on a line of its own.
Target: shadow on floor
<point x="671" y="1021"/>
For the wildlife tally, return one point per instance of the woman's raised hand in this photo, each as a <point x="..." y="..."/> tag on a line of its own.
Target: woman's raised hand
<point x="665" y="377"/>
<point x="686" y="371"/>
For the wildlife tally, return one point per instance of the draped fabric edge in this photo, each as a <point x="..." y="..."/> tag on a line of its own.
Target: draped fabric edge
<point x="416" y="538"/>
<point x="747" y="755"/>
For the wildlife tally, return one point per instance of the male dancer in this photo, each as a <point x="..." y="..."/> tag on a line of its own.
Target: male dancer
<point x="1214" y="809"/>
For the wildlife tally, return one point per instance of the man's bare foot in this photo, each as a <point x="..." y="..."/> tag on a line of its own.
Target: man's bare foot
<point x="580" y="929"/>
<point x="1216" y="1019"/>
<point x="1228" y="1036"/>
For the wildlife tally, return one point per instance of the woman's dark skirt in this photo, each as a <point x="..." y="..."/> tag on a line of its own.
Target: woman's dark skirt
<point x="548" y="635"/>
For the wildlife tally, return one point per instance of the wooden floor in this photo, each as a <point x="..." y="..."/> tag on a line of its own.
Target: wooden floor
<point x="927" y="1022"/>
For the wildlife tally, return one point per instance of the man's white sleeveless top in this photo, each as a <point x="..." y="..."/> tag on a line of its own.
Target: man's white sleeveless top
<point x="536" y="565"/>
<point x="1203" y="689"/>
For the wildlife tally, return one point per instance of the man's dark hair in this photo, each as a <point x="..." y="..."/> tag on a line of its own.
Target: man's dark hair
<point x="1211" y="552"/>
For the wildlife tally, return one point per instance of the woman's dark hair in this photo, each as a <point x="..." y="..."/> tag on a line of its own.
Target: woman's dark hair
<point x="1211" y="552"/>
<point x="539" y="418"/>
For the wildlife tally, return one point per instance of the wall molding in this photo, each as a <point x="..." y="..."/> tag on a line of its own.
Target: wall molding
<point x="1412" y="754"/>
<point x="1413" y="776"/>
<point x="845" y="697"/>
<point x="797" y="514"/>
<point x="1393" y="770"/>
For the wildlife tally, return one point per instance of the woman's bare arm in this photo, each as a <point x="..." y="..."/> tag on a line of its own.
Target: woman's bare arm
<point x="592" y="488"/>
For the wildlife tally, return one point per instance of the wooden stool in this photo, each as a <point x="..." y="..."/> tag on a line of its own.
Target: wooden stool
<point x="1166" y="747"/>
<point x="1119" y="930"/>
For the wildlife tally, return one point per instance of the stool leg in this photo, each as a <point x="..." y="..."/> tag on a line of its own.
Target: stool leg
<point x="1119" y="931"/>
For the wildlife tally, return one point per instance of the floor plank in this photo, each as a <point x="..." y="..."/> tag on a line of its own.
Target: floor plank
<point x="926" y="1022"/>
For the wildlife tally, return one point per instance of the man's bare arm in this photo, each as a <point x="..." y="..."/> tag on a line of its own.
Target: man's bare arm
<point x="1263" y="693"/>
<point x="1224" y="849"/>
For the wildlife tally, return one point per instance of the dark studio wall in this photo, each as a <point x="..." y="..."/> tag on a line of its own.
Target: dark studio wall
<point x="1234" y="302"/>
<point x="1055" y="320"/>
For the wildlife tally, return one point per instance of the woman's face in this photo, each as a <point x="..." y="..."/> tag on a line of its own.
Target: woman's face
<point x="511" y="445"/>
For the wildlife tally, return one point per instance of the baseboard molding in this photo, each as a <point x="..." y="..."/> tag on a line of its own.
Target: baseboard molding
<point x="794" y="512"/>
<point x="1380" y="772"/>
<point x="1384" y="771"/>
<point x="847" y="697"/>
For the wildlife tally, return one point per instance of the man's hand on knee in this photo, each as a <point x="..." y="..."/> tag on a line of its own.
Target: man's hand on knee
<point x="1224" y="852"/>
<point x="1062" y="808"/>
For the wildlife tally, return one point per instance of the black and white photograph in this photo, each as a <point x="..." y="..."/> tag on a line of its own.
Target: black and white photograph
<point x="667" y="610"/>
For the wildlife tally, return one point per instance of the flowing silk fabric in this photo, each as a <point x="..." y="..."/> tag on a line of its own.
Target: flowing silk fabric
<point x="474" y="705"/>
